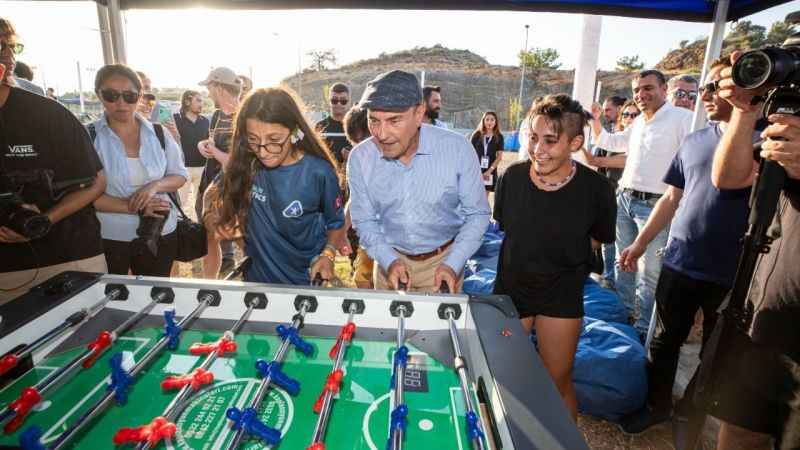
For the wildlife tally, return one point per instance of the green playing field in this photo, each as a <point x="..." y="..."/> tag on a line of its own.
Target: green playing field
<point x="359" y="419"/>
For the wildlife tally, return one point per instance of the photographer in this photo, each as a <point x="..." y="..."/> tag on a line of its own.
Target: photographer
<point x="39" y="136"/>
<point x="758" y="398"/>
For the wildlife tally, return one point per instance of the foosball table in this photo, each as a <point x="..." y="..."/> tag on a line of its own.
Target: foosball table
<point x="93" y="361"/>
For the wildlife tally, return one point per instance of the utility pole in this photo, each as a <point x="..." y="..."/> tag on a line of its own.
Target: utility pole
<point x="522" y="76"/>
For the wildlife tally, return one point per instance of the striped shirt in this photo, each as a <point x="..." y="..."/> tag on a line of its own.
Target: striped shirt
<point x="418" y="208"/>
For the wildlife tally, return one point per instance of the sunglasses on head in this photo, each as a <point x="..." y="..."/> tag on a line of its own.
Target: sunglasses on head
<point x="15" y="48"/>
<point x="680" y="93"/>
<point x="711" y="87"/>
<point x="627" y="115"/>
<point x="111" y="96"/>
<point x="339" y="101"/>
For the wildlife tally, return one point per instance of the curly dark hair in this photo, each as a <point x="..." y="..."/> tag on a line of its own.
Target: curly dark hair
<point x="565" y="114"/>
<point x="271" y="105"/>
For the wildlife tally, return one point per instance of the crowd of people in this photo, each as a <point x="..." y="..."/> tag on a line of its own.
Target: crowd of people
<point x="658" y="212"/>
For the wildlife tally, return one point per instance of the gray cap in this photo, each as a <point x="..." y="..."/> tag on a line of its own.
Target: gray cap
<point x="222" y="75"/>
<point x="392" y="91"/>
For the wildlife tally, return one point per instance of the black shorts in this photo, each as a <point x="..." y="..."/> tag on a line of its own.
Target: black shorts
<point x="557" y="295"/>
<point x="760" y="391"/>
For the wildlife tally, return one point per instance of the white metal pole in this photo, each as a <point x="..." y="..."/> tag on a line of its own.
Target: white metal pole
<point x="80" y="87"/>
<point x="117" y="29"/>
<point x="522" y="74"/>
<point x="105" y="34"/>
<point x="713" y="50"/>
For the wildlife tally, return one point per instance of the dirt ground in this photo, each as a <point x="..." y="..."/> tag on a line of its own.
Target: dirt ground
<point x="599" y="434"/>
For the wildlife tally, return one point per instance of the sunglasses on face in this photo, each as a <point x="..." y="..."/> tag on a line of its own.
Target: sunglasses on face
<point x="627" y="115"/>
<point x="680" y="93"/>
<point x="339" y="101"/>
<point x="710" y="88"/>
<point x="16" y="48"/>
<point x="271" y="147"/>
<point x="111" y="96"/>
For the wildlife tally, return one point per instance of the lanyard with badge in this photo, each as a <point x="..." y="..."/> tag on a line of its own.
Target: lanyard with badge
<point x="488" y="180"/>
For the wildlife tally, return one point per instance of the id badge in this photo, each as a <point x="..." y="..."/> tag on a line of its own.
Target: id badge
<point x="484" y="162"/>
<point x="488" y="181"/>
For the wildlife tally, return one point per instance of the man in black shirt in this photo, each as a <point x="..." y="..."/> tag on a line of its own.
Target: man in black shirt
<point x="192" y="128"/>
<point x="40" y="136"/>
<point x="758" y="399"/>
<point x="331" y="127"/>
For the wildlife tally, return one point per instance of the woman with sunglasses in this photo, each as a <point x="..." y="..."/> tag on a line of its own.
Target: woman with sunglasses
<point x="627" y="113"/>
<point x="280" y="192"/>
<point x="488" y="142"/>
<point x="140" y="171"/>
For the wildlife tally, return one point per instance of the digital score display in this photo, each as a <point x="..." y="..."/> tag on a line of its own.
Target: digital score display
<point x="416" y="376"/>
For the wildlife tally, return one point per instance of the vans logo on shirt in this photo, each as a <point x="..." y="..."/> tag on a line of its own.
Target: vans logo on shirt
<point x="21" y="151"/>
<point x="294" y="210"/>
<point x="258" y="194"/>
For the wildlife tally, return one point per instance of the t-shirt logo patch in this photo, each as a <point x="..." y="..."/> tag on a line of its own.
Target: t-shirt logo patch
<point x="294" y="210"/>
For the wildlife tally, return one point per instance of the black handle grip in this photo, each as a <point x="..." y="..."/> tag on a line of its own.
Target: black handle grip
<point x="402" y="286"/>
<point x="238" y="270"/>
<point x="317" y="281"/>
<point x="76" y="318"/>
<point x="444" y="288"/>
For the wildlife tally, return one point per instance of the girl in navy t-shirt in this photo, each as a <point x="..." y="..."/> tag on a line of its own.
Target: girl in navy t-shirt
<point x="280" y="191"/>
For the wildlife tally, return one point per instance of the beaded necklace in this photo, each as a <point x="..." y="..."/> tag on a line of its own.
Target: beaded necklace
<point x="560" y="183"/>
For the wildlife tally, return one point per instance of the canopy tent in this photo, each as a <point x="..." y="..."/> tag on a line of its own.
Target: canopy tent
<point x="686" y="10"/>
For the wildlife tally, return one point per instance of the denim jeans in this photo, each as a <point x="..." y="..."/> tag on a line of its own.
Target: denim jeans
<point x="609" y="258"/>
<point x="637" y="289"/>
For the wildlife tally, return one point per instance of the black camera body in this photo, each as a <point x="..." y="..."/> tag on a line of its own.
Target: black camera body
<point x="18" y="188"/>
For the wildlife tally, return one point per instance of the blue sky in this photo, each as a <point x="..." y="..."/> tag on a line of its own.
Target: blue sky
<point x="176" y="48"/>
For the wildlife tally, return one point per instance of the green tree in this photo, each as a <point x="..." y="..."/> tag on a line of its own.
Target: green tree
<point x="540" y="58"/>
<point x="745" y="35"/>
<point x="630" y="64"/>
<point x="778" y="32"/>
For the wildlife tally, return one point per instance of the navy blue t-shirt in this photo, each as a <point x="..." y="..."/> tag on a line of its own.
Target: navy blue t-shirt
<point x="704" y="239"/>
<point x="291" y="210"/>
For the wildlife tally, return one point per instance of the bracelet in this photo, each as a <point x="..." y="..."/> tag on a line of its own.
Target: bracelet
<point x="328" y="253"/>
<point x="331" y="248"/>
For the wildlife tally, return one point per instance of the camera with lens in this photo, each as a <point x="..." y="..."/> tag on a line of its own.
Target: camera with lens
<point x="15" y="188"/>
<point x="149" y="231"/>
<point x="776" y="69"/>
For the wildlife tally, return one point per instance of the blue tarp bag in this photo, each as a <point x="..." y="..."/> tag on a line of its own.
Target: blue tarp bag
<point x="603" y="304"/>
<point x="481" y="269"/>
<point x="609" y="372"/>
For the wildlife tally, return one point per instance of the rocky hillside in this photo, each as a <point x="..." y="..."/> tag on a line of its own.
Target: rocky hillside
<point x="470" y="84"/>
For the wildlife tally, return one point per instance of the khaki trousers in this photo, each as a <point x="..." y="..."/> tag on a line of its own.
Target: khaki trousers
<point x="14" y="284"/>
<point x="422" y="274"/>
<point x="188" y="192"/>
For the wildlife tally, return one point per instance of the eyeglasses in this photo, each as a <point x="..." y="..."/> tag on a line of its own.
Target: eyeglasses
<point x="339" y="101"/>
<point x="680" y="93"/>
<point x="271" y="147"/>
<point x="111" y="96"/>
<point x="16" y="48"/>
<point x="711" y="87"/>
<point x="627" y="115"/>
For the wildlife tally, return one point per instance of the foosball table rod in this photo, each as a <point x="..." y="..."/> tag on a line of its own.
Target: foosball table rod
<point x="324" y="403"/>
<point x="16" y="412"/>
<point x="246" y="422"/>
<point x="398" y="409"/>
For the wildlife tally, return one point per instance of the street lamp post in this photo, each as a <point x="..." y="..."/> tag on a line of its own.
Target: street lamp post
<point x="522" y="76"/>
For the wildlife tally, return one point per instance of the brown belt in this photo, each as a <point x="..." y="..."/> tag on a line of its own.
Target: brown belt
<point x="430" y="254"/>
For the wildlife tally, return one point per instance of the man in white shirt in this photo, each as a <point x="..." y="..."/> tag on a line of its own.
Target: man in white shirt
<point x="650" y="143"/>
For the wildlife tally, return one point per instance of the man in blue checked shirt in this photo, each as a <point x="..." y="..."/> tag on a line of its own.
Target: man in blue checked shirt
<point x="417" y="197"/>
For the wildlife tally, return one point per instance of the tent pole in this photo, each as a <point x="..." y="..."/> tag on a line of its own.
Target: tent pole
<point x="713" y="50"/>
<point x="105" y="35"/>
<point x="117" y="31"/>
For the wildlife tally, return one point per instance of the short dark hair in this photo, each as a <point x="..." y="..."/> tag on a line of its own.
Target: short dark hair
<point x="616" y="100"/>
<point x="22" y="70"/>
<point x="340" y="88"/>
<point x="565" y="114"/>
<point x="428" y="90"/>
<point x="122" y="70"/>
<point x="662" y="80"/>
<point x="355" y="124"/>
<point x="686" y="78"/>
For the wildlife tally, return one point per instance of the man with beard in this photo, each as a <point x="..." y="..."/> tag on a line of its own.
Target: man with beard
<point x="651" y="143"/>
<point x="417" y="196"/>
<point x="331" y="127"/>
<point x="433" y="104"/>
<point x="37" y="135"/>
<point x="700" y="258"/>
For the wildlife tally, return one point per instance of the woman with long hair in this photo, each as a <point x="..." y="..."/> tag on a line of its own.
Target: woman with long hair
<point x="488" y="142"/>
<point x="280" y="192"/>
<point x="545" y="258"/>
<point x="627" y="113"/>
<point x="142" y="165"/>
